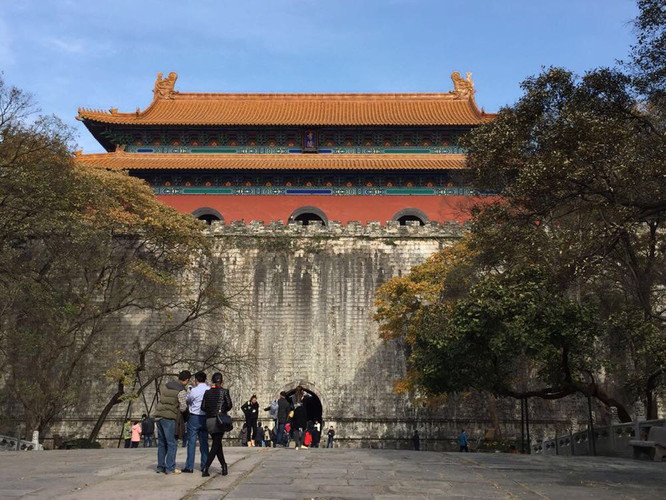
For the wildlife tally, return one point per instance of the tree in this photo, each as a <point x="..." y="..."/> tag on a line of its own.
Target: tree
<point x="79" y="249"/>
<point x="648" y="57"/>
<point x="578" y="237"/>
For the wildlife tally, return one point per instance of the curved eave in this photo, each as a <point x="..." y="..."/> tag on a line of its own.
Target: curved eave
<point x="313" y="110"/>
<point x="153" y="161"/>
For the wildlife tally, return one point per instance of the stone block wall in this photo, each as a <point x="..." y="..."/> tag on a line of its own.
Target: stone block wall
<point x="303" y="306"/>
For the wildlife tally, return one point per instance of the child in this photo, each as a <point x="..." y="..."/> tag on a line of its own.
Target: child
<point x="127" y="432"/>
<point x="136" y="434"/>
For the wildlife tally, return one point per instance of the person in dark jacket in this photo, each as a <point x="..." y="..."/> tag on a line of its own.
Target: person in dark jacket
<point x="284" y="407"/>
<point x="416" y="441"/>
<point x="147" y="430"/>
<point x="331" y="437"/>
<point x="300" y="418"/>
<point x="216" y="401"/>
<point x="251" y="411"/>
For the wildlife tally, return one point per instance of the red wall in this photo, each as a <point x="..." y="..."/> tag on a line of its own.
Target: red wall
<point x="341" y="208"/>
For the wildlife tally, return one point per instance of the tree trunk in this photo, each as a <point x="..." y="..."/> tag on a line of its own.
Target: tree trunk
<point x="492" y="409"/>
<point x="115" y="399"/>
<point x="609" y="401"/>
<point x="652" y="406"/>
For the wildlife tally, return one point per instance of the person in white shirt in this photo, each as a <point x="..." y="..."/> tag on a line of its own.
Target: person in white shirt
<point x="196" y="423"/>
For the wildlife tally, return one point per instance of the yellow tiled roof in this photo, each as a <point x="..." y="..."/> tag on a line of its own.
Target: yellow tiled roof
<point x="152" y="161"/>
<point x="170" y="107"/>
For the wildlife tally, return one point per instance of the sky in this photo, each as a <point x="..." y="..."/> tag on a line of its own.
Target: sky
<point x="103" y="54"/>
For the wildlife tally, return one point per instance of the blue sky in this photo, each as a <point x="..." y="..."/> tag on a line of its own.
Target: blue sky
<point x="103" y="54"/>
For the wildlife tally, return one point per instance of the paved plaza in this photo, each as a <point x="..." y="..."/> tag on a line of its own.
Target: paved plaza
<point x="328" y="474"/>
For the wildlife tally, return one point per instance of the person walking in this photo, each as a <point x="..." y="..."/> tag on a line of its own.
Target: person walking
<point x="251" y="411"/>
<point x="196" y="423"/>
<point x="316" y="434"/>
<point x="416" y="440"/>
<point x="173" y="402"/>
<point x="282" y="415"/>
<point x="136" y="434"/>
<point x="462" y="441"/>
<point x="127" y="432"/>
<point x="147" y="430"/>
<point x="216" y="401"/>
<point x="300" y="419"/>
<point x="331" y="436"/>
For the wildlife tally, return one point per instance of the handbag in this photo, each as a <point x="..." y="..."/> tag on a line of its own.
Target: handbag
<point x="219" y="423"/>
<point x="223" y="422"/>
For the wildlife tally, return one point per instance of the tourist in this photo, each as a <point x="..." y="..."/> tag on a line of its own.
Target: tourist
<point x="173" y="402"/>
<point x="300" y="418"/>
<point x="251" y="411"/>
<point x="316" y="434"/>
<point x="273" y="412"/>
<point x="127" y="432"/>
<point x="287" y="432"/>
<point x="136" y="434"/>
<point x="282" y="415"/>
<point x="243" y="435"/>
<point x="331" y="436"/>
<point x="462" y="441"/>
<point x="196" y="423"/>
<point x="216" y="401"/>
<point x="147" y="430"/>
<point x="267" y="437"/>
<point x="416" y="440"/>
<point x="260" y="435"/>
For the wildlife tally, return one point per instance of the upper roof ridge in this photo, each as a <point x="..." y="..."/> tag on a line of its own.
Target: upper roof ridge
<point x="171" y="107"/>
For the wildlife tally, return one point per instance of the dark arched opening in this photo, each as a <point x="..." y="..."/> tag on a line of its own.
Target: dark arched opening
<point x="308" y="215"/>
<point x="209" y="215"/>
<point x="313" y="407"/>
<point x="411" y="215"/>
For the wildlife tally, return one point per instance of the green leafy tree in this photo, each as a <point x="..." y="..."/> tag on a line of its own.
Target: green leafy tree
<point x="567" y="280"/>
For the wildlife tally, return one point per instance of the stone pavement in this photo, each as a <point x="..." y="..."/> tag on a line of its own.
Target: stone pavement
<point x="328" y="474"/>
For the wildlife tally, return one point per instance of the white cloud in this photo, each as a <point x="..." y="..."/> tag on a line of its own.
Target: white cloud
<point x="78" y="46"/>
<point x="71" y="46"/>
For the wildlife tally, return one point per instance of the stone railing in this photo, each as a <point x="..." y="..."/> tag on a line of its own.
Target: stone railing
<point x="335" y="229"/>
<point x="8" y="443"/>
<point x="610" y="440"/>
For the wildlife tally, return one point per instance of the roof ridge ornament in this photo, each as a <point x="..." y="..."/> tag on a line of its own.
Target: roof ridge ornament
<point x="463" y="87"/>
<point x="164" y="86"/>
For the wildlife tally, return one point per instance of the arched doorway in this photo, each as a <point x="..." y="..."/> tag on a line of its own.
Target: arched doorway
<point x="314" y="405"/>
<point x="207" y="214"/>
<point x="308" y="215"/>
<point x="410" y="215"/>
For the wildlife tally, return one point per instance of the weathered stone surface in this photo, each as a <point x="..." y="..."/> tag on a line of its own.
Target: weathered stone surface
<point x="303" y="299"/>
<point x="279" y="473"/>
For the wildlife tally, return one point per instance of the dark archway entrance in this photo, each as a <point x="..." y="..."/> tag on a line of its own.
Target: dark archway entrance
<point x="209" y="215"/>
<point x="313" y="405"/>
<point x="410" y="218"/>
<point x="409" y="215"/>
<point x="308" y="215"/>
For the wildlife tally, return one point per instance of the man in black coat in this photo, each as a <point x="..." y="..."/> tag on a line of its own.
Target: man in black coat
<point x="284" y="407"/>
<point x="147" y="430"/>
